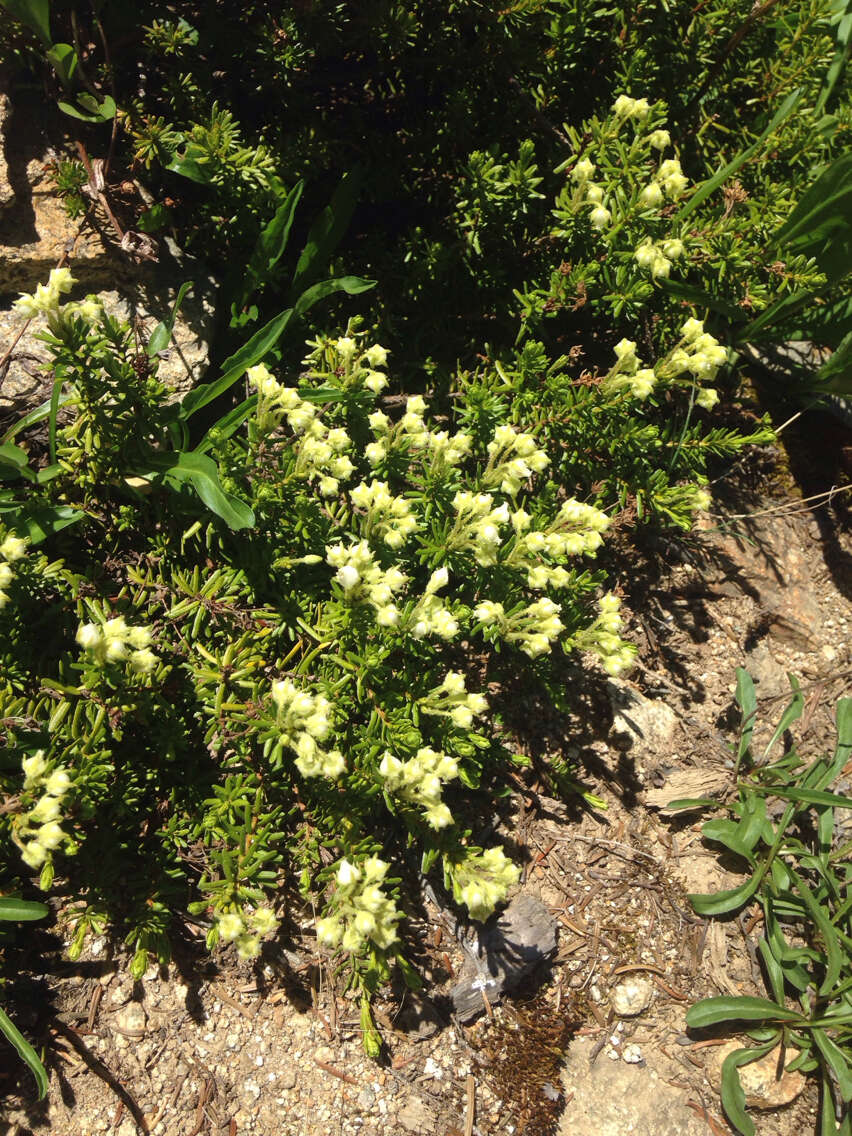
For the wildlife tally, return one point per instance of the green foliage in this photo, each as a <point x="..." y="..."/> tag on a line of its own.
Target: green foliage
<point x="232" y="664"/>
<point x="239" y="663"/>
<point x="13" y="910"/>
<point x="785" y="825"/>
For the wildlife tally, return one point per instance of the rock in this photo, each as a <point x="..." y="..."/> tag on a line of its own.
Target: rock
<point x="639" y="724"/>
<point x="287" y="1078"/>
<point x="763" y="1088"/>
<point x="416" y="1116"/>
<point x="36" y="234"/>
<point x="631" y="996"/>
<point x="418" y="1017"/>
<point x="7" y="193"/>
<point x="508" y="950"/>
<point x="366" y="1099"/>
<point x="142" y="299"/>
<point x="769" y="676"/>
<point x="614" y="1098"/>
<point x="132" y="1019"/>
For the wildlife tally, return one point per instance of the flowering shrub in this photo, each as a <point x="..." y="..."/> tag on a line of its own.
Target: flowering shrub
<point x="188" y="706"/>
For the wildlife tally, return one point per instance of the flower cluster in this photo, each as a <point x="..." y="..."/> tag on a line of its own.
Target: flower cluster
<point x="40" y="831"/>
<point x="321" y="452"/>
<point x="420" y="781"/>
<point x="532" y="628"/>
<point x="628" y="372"/>
<point x="364" y="581"/>
<point x="246" y="929"/>
<point x="320" y="456"/>
<point x="439" y="447"/>
<point x="387" y="516"/>
<point x="12" y="548"/>
<point x="115" y="642"/>
<point x="575" y="531"/>
<point x="670" y="176"/>
<point x="45" y="299"/>
<point x="658" y="258"/>
<point x="667" y="181"/>
<point x="512" y="459"/>
<point x="603" y="639"/>
<point x="362" y="911"/>
<point x="625" y="107"/>
<point x="429" y="616"/>
<point x="452" y="700"/>
<point x="303" y="719"/>
<point x="482" y="880"/>
<point x="699" y="354"/>
<point x="477" y="526"/>
<point x="361" y="366"/>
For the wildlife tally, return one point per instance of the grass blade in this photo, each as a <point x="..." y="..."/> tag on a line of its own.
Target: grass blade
<point x="25" y="1051"/>
<point x="713" y="183"/>
<point x="712" y="1011"/>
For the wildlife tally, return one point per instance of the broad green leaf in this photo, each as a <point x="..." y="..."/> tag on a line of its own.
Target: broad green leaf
<point x="327" y="231"/>
<point x="753" y="824"/>
<point x="821" y="224"/>
<point x="712" y="1011"/>
<point x="826" y="324"/>
<point x="25" y="1051"/>
<point x="264" y="340"/>
<point x="271" y="244"/>
<point x="835" y="375"/>
<point x="843" y="749"/>
<point x="827" y="1125"/>
<point x="724" y="901"/>
<point x="16" y="460"/>
<point x="32" y="418"/>
<point x="791" y="714"/>
<point x="236" y="365"/>
<point x="321" y="394"/>
<point x="89" y="109"/>
<point x="833" y="951"/>
<point x="371" y="1039"/>
<point x="747" y="702"/>
<point x="692" y="803"/>
<point x="721" y="176"/>
<point x="21" y="910"/>
<point x="352" y="285"/>
<point x="733" y="1097"/>
<point x="40" y="522"/>
<point x="35" y="14"/>
<point x="837" y="1060"/>
<point x="48" y="474"/>
<point x="726" y="832"/>
<point x="773" y="970"/>
<point x="203" y="474"/>
<point x="191" y="164"/>
<point x="63" y="59"/>
<point x="228" y="423"/>
<point x="162" y="333"/>
<point x="805" y="796"/>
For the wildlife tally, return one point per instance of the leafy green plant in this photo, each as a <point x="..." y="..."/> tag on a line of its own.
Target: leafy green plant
<point x="783" y="824"/>
<point x="13" y="910"/>
<point x="236" y="665"/>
